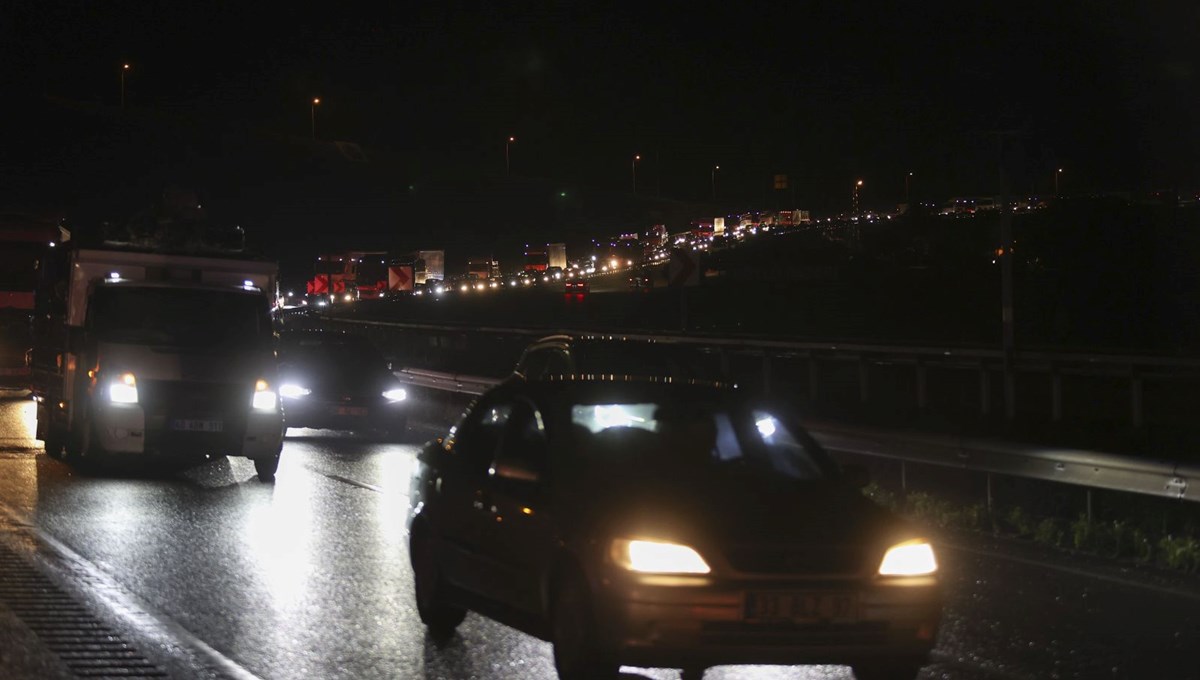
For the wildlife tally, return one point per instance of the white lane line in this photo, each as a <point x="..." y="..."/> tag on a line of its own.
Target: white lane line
<point x="124" y="604"/>
<point x="1075" y="571"/>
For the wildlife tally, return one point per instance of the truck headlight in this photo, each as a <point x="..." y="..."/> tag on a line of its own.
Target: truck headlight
<point x="264" y="397"/>
<point x="293" y="391"/>
<point x="123" y="390"/>
<point x="910" y="558"/>
<point x="396" y="394"/>
<point x="653" y="557"/>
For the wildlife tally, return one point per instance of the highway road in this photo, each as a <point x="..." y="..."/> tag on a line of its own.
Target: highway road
<point x="206" y="573"/>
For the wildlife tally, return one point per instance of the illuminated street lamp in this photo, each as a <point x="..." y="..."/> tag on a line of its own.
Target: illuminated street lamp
<point x="634" y="166"/>
<point x="854" y="197"/>
<point x="714" y="181"/>
<point x="1056" y="174"/>
<point x="907" y="178"/>
<point x="124" y="70"/>
<point x="507" y="167"/>
<point x="313" y="112"/>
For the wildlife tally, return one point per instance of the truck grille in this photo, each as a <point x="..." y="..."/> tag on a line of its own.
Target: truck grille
<point x="814" y="560"/>
<point x="166" y="401"/>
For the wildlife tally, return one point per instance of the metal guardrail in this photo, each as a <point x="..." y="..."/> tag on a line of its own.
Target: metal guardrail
<point x="1088" y="469"/>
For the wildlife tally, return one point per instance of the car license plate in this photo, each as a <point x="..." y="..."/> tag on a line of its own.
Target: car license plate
<point x="192" y="425"/>
<point x="802" y="607"/>
<point x="351" y="410"/>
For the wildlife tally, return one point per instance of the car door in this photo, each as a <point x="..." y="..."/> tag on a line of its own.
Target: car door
<point x="520" y="536"/>
<point x="461" y="493"/>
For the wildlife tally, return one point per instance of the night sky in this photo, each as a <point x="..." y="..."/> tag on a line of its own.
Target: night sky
<point x="824" y="92"/>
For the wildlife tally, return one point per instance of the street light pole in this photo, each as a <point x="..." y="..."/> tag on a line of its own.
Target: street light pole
<point x="507" y="166"/>
<point x="1056" y="174"/>
<point x="906" y="182"/>
<point x="857" y="187"/>
<point x="124" y="69"/>
<point x="634" y="167"/>
<point x="313" y="111"/>
<point x="714" y="181"/>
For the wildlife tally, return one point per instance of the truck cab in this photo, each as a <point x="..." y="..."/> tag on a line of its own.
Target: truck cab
<point x="154" y="355"/>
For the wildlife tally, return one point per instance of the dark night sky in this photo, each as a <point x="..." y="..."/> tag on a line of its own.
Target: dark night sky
<point x="826" y="92"/>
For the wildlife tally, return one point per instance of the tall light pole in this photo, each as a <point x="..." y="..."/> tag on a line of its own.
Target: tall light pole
<point x="313" y="112"/>
<point x="634" y="167"/>
<point x="714" y="181"/>
<point x="124" y="70"/>
<point x="854" y="197"/>
<point x="1056" y="174"/>
<point x="507" y="167"/>
<point x="907" y="178"/>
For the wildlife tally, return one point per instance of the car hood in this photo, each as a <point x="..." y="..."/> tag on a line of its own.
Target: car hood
<point x="727" y="510"/>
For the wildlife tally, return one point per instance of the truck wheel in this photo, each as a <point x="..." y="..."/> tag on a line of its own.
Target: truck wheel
<point x="54" y="443"/>
<point x="266" y="467"/>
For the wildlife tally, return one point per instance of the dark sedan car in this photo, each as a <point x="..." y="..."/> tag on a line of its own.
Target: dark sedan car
<point x="649" y="524"/>
<point x="577" y="285"/>
<point x="338" y="381"/>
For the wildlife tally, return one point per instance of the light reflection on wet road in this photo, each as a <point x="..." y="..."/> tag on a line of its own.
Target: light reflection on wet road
<point x="310" y="577"/>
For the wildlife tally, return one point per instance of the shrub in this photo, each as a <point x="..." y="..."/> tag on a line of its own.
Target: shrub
<point x="1180" y="552"/>
<point x="1051" y="531"/>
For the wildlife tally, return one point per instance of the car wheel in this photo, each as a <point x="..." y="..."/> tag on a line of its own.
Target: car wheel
<point x="576" y="654"/>
<point x="266" y="467"/>
<point x="436" y="612"/>
<point x="900" y="670"/>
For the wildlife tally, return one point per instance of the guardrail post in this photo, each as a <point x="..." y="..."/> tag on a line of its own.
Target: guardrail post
<point x="985" y="390"/>
<point x="921" y="391"/>
<point x="812" y="379"/>
<point x="863" y="379"/>
<point x="1010" y="392"/>
<point x="1055" y="395"/>
<point x="1135" y="400"/>
<point x="989" y="494"/>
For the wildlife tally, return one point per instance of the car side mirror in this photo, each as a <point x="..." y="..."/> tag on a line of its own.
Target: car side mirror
<point x="856" y="475"/>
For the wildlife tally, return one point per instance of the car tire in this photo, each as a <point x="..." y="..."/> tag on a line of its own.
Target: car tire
<point x="440" y="617"/>
<point x="265" y="468"/>
<point x="577" y="656"/>
<point x="900" y="670"/>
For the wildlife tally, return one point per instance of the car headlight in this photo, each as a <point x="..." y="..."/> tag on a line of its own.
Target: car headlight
<point x="292" y="391"/>
<point x="123" y="390"/>
<point x="264" y="397"/>
<point x="396" y="394"/>
<point x="910" y="558"/>
<point x="653" y="557"/>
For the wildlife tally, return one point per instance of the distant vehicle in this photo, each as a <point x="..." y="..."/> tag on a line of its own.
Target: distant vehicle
<point x="641" y="282"/>
<point x="577" y="285"/>
<point x="656" y="524"/>
<point x="338" y="381"/>
<point x="165" y="353"/>
<point x="484" y="268"/>
<point x="554" y="273"/>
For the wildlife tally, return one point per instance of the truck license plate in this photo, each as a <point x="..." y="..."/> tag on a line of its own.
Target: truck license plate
<point x="801" y="607"/>
<point x="192" y="425"/>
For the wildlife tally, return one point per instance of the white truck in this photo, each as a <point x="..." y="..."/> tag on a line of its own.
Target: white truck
<point x="146" y="354"/>
<point x="556" y="255"/>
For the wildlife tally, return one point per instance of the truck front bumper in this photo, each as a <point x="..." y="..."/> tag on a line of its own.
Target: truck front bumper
<point x="126" y="429"/>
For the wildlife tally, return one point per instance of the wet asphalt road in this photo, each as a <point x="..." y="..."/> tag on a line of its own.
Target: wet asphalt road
<point x="309" y="578"/>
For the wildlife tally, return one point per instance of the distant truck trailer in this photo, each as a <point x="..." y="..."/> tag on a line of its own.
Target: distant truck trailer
<point x="484" y="268"/>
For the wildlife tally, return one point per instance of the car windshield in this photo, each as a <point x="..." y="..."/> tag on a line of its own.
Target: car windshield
<point x="679" y="438"/>
<point x="325" y="357"/>
<point x="180" y="317"/>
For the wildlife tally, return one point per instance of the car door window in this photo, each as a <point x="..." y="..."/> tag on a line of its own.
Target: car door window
<point x="478" y="436"/>
<point x="522" y="452"/>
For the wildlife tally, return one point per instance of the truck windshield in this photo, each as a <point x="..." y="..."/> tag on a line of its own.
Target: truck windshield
<point x="179" y="317"/>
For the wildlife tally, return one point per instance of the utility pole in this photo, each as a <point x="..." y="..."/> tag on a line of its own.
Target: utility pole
<point x="1004" y="254"/>
<point x="124" y="70"/>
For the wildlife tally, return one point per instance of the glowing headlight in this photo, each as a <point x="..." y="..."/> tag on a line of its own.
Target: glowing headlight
<point x="652" y="557"/>
<point x="264" y="397"/>
<point x="348" y="297"/>
<point x="396" y="394"/>
<point x="290" y="391"/>
<point x="123" y="390"/>
<point x="911" y="558"/>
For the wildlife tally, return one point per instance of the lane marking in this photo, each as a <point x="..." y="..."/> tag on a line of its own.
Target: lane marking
<point x="122" y="603"/>
<point x="1076" y="571"/>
